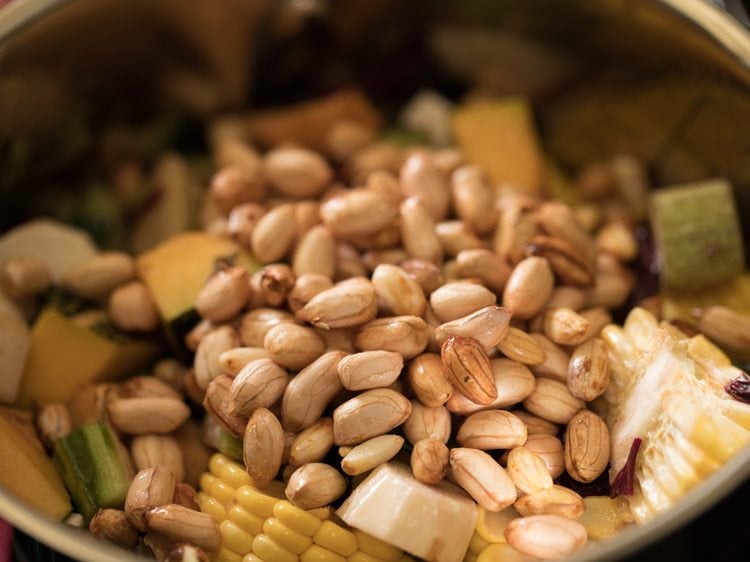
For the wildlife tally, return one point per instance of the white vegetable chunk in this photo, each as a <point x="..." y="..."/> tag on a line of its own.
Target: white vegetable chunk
<point x="60" y="246"/>
<point x="433" y="522"/>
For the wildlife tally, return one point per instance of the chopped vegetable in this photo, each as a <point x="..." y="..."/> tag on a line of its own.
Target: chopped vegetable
<point x="697" y="233"/>
<point x="66" y="352"/>
<point x="432" y="522"/>
<point x="501" y="137"/>
<point x="91" y="467"/>
<point x="28" y="472"/>
<point x="60" y="246"/>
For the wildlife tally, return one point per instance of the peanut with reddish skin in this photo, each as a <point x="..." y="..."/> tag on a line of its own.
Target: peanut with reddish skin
<point x="469" y="369"/>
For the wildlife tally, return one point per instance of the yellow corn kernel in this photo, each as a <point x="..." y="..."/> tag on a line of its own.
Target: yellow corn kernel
<point x="251" y="557"/>
<point x="295" y="518"/>
<point x="217" y="461"/>
<point x="376" y="547"/>
<point x="256" y="502"/>
<point x="248" y="522"/>
<point x="361" y="556"/>
<point x="221" y="491"/>
<point x="322" y="513"/>
<point x="206" y="480"/>
<point x="317" y="553"/>
<point x="234" y="538"/>
<point x="336" y="538"/>
<point x="265" y="547"/>
<point x="235" y="475"/>
<point x="477" y="544"/>
<point x="210" y="505"/>
<point x="226" y="555"/>
<point x="285" y="536"/>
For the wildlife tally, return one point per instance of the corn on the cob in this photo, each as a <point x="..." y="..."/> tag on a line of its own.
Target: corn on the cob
<point x="668" y="390"/>
<point x="262" y="526"/>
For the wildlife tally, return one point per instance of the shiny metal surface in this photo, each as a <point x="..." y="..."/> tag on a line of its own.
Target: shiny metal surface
<point x="668" y="80"/>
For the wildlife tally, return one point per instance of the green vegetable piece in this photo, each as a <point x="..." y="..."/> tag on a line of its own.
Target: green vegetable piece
<point x="91" y="468"/>
<point x="230" y="445"/>
<point x="697" y="233"/>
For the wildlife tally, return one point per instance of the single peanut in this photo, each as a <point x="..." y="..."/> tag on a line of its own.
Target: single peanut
<point x="224" y="294"/>
<point x="529" y="287"/>
<point x="371" y="453"/>
<point x="315" y="253"/>
<point x="550" y="448"/>
<point x="407" y="335"/>
<point x="546" y="536"/>
<point x="588" y="370"/>
<point x="492" y="429"/>
<point x="274" y="234"/>
<point x="420" y="178"/>
<point x="260" y="384"/>
<point x="397" y="293"/>
<point x="485" y="265"/>
<point x="587" y="446"/>
<point x="297" y="172"/>
<point x="488" y="325"/>
<point x="315" y="485"/>
<point x="428" y="380"/>
<point x="430" y="459"/>
<point x="150" y="488"/>
<point x="263" y="447"/>
<point x="218" y="404"/>
<point x="456" y="237"/>
<point x="521" y="347"/>
<point x="182" y="524"/>
<point x="483" y="478"/>
<point x="313" y="443"/>
<point x="151" y="450"/>
<point x="469" y="369"/>
<point x="369" y="414"/>
<point x="556" y="360"/>
<point x="113" y="525"/>
<point x="427" y="423"/>
<point x="425" y="273"/>
<point x="214" y="343"/>
<point x="370" y="369"/>
<point x="418" y="231"/>
<point x="565" y="327"/>
<point x="307" y="394"/>
<point x="348" y="303"/>
<point x="556" y="500"/>
<point x="234" y="360"/>
<point x="528" y="471"/>
<point x="293" y="347"/>
<point x="147" y="415"/>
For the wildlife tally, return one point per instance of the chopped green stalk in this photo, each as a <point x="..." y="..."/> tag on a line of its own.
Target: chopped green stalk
<point x="697" y="233"/>
<point x="230" y="445"/>
<point x="91" y="468"/>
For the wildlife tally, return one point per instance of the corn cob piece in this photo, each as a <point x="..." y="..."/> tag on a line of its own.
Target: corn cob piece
<point x="668" y="390"/>
<point x="262" y="526"/>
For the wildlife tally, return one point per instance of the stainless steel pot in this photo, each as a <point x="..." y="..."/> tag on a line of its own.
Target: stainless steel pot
<point x="667" y="80"/>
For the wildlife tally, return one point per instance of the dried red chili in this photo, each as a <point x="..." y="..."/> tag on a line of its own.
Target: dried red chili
<point x="622" y="485"/>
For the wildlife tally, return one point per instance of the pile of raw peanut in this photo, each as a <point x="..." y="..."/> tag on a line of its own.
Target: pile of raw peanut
<point x="402" y="297"/>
